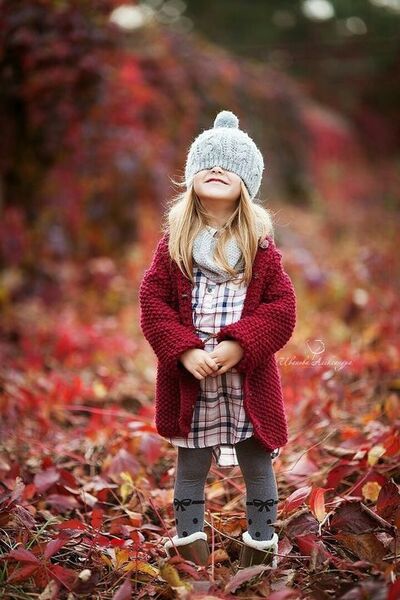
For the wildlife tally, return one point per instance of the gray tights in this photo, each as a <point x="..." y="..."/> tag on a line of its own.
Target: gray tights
<point x="193" y="465"/>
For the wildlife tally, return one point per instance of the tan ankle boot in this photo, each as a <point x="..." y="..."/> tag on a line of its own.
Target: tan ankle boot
<point x="254" y="552"/>
<point x="193" y="547"/>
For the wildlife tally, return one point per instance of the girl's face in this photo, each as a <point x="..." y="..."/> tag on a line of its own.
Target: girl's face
<point x="217" y="184"/>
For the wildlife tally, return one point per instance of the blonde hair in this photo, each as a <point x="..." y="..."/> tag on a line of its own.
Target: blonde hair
<point x="186" y="216"/>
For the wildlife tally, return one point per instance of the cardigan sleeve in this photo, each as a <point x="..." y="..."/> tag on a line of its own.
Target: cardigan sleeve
<point x="271" y="324"/>
<point x="159" y="321"/>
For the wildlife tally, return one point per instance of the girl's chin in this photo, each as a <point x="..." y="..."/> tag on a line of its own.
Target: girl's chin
<point x="214" y="192"/>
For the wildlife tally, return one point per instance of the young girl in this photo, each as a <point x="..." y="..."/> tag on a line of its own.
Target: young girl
<point x="215" y="305"/>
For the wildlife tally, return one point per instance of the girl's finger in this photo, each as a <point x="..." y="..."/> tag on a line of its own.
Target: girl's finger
<point x="201" y="372"/>
<point x="211" y="362"/>
<point x="210" y="368"/>
<point x="224" y="368"/>
<point x="206" y="370"/>
<point x="219" y="369"/>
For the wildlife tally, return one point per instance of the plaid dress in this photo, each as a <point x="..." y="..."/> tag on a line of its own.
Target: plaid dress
<point x="219" y="418"/>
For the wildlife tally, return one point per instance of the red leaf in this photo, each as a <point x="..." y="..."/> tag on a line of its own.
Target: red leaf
<point x="296" y="498"/>
<point x="338" y="473"/>
<point x="68" y="577"/>
<point x="392" y="444"/>
<point x="42" y="577"/>
<point x="97" y="518"/>
<point x="102" y="540"/>
<point x="243" y="576"/>
<point x="151" y="447"/>
<point x="302" y="467"/>
<point x="72" y="524"/>
<point x="137" y="537"/>
<point x="124" y="592"/>
<point x="62" y="502"/>
<point x="54" y="545"/>
<point x="46" y="479"/>
<point x="394" y="591"/>
<point x="116" y="543"/>
<point x="24" y="516"/>
<point x="388" y="500"/>
<point x="310" y="544"/>
<point x="29" y="491"/>
<point x="68" y="479"/>
<point x="123" y="462"/>
<point x="349" y="517"/>
<point x="184" y="567"/>
<point x="22" y="555"/>
<point x="22" y="574"/>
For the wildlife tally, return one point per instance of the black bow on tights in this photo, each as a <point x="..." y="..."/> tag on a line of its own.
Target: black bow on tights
<point x="180" y="504"/>
<point x="263" y="504"/>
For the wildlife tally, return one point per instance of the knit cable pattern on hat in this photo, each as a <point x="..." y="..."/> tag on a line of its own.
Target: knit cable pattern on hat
<point x="229" y="147"/>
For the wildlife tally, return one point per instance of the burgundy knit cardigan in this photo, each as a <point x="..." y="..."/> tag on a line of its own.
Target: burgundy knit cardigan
<point x="266" y="324"/>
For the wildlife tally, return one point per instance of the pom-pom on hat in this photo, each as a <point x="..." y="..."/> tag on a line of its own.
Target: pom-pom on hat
<point x="229" y="147"/>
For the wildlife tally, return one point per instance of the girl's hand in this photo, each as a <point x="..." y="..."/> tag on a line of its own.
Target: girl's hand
<point x="227" y="354"/>
<point x="198" y="362"/>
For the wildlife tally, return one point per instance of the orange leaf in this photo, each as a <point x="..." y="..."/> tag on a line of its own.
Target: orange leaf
<point x="392" y="407"/>
<point x="371" y="490"/>
<point x="317" y="503"/>
<point x="364" y="545"/>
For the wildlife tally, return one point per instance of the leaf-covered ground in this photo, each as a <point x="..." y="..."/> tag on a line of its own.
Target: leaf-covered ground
<point x="87" y="484"/>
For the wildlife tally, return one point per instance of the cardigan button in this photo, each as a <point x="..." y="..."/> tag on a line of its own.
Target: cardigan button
<point x="184" y="295"/>
<point x="264" y="243"/>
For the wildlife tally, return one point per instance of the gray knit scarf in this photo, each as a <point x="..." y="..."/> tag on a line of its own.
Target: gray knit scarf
<point x="203" y="255"/>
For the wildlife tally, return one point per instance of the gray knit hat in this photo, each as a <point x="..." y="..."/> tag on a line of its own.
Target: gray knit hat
<point x="229" y="147"/>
